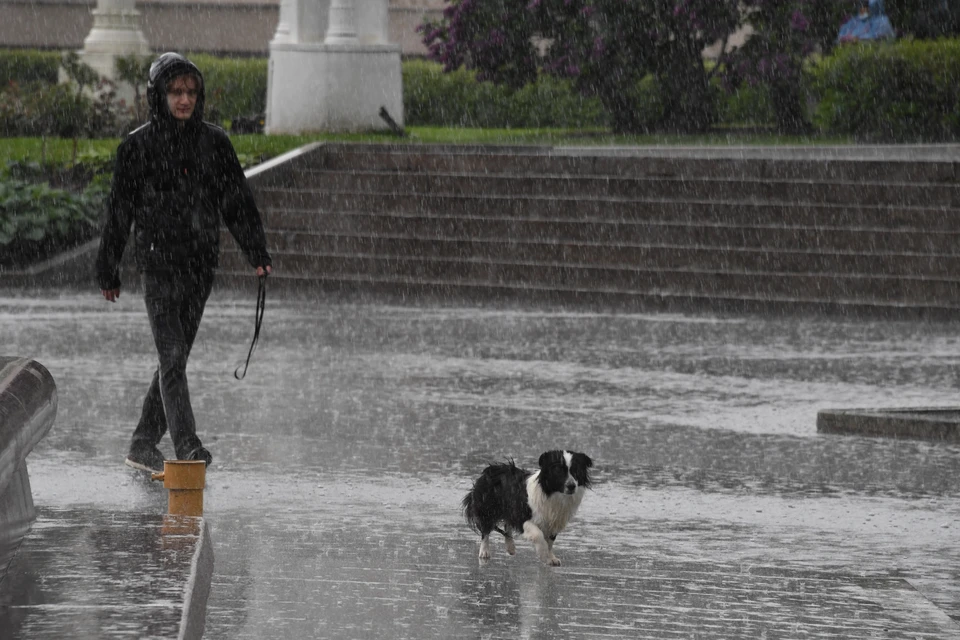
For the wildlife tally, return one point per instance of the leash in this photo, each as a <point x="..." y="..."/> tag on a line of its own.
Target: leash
<point x="258" y="322"/>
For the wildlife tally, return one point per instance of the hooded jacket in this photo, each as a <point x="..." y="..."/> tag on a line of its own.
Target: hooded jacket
<point x="172" y="183"/>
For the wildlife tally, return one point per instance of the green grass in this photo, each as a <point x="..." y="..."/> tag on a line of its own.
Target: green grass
<point x="256" y="148"/>
<point x="55" y="151"/>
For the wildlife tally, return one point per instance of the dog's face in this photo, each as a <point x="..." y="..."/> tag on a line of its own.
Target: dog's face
<point x="564" y="472"/>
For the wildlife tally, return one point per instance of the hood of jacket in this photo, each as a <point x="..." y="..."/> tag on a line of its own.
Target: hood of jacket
<point x="164" y="69"/>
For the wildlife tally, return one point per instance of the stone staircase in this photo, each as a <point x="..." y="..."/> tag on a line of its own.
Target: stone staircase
<point x="836" y="229"/>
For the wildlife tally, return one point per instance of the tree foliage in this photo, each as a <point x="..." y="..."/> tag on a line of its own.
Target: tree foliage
<point x="134" y="70"/>
<point x="925" y="19"/>
<point x="785" y="33"/>
<point x="608" y="47"/>
<point x="605" y="46"/>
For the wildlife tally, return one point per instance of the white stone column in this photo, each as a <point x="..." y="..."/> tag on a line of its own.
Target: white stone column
<point x="373" y="20"/>
<point x="343" y="23"/>
<point x="337" y="79"/>
<point x="288" y="17"/>
<point x="116" y="32"/>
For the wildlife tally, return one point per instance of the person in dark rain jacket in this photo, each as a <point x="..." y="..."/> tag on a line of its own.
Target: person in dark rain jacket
<point x="175" y="178"/>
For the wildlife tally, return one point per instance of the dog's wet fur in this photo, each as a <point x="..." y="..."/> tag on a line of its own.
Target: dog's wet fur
<point x="536" y="504"/>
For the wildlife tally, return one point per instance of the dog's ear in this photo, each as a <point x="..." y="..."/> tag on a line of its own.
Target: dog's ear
<point x="579" y="463"/>
<point x="548" y="458"/>
<point x="583" y="459"/>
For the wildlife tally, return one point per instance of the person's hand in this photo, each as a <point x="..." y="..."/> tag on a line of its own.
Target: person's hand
<point x="264" y="270"/>
<point x="111" y="295"/>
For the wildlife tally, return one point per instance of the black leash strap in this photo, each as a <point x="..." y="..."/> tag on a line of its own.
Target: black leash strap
<point x="261" y="306"/>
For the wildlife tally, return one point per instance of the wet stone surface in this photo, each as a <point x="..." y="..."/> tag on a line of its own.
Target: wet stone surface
<point x="920" y="423"/>
<point x="339" y="464"/>
<point x="86" y="573"/>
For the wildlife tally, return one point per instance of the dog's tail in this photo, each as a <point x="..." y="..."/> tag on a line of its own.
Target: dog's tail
<point x="495" y="487"/>
<point x="466" y="505"/>
<point x="469" y="510"/>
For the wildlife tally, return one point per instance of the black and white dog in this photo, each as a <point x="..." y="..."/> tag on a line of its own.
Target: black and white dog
<point x="538" y="504"/>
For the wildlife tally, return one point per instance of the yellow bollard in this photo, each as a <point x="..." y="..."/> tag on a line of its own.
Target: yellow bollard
<point x="185" y="480"/>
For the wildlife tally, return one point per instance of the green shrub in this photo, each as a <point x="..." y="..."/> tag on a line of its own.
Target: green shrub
<point x="649" y="104"/>
<point x="233" y="86"/>
<point x="12" y="113"/>
<point x="23" y="66"/>
<point x="41" y="109"/>
<point x="907" y="91"/>
<point x="550" y="102"/>
<point x="58" y="110"/>
<point x="434" y="98"/>
<point x="37" y="221"/>
<point x="747" y="106"/>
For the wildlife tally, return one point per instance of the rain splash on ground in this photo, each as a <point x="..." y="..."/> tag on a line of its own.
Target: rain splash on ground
<point x="340" y="460"/>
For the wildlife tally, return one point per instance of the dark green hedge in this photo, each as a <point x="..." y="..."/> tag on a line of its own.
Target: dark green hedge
<point x="24" y="66"/>
<point x="434" y="98"/>
<point x="908" y="91"/>
<point x="234" y="86"/>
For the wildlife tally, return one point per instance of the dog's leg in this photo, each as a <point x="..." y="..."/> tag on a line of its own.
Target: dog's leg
<point x="511" y="547"/>
<point x="533" y="533"/>
<point x="485" y="547"/>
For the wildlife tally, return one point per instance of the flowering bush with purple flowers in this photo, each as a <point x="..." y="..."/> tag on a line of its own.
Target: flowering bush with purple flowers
<point x="606" y="47"/>
<point x="785" y="33"/>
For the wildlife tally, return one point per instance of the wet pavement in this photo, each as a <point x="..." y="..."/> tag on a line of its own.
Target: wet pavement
<point x="86" y="572"/>
<point x="339" y="463"/>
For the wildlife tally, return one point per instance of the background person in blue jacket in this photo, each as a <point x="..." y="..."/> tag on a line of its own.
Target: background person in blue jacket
<point x="175" y="178"/>
<point x="871" y="23"/>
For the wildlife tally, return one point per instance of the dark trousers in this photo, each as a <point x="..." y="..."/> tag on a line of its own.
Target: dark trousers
<point x="175" y="302"/>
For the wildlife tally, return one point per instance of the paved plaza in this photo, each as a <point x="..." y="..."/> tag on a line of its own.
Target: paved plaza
<point x="718" y="511"/>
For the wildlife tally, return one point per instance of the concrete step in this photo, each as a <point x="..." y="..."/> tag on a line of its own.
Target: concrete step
<point x="675" y="188"/>
<point x="282" y="206"/>
<point x="616" y="233"/>
<point x="838" y="228"/>
<point x="405" y="291"/>
<point x="759" y="259"/>
<point x="480" y="273"/>
<point x="543" y="160"/>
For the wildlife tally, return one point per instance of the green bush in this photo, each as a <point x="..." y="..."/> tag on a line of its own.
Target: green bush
<point x="903" y="92"/>
<point x="12" y="114"/>
<point x="233" y="86"/>
<point x="24" y="66"/>
<point x="648" y="97"/>
<point x="58" y="110"/>
<point x="434" y="98"/>
<point x="41" y="109"/>
<point x="747" y="106"/>
<point x="550" y="102"/>
<point x="37" y="221"/>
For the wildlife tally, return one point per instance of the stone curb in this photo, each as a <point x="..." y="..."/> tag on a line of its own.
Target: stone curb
<point x="197" y="589"/>
<point x="922" y="423"/>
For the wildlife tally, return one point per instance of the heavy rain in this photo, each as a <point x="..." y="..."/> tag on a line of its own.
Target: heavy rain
<point x="494" y="229"/>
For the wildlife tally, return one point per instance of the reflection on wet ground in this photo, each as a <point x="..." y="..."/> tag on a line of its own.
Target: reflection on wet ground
<point x="341" y="459"/>
<point x="89" y="573"/>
